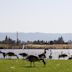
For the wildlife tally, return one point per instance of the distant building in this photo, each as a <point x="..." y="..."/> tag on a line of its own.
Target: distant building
<point x="69" y="42"/>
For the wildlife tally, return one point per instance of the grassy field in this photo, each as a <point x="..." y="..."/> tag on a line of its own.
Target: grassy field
<point x="23" y="66"/>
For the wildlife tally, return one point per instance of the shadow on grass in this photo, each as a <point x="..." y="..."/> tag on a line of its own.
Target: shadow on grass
<point x="30" y="66"/>
<point x="33" y="66"/>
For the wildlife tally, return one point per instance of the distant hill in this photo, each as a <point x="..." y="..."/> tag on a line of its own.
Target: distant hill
<point x="36" y="36"/>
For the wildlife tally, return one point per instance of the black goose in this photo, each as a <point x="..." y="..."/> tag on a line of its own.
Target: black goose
<point x="3" y="53"/>
<point x="11" y="54"/>
<point x="23" y="55"/>
<point x="63" y="55"/>
<point x="32" y="59"/>
<point x="42" y="56"/>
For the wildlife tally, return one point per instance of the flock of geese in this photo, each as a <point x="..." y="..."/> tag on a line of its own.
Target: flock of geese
<point x="32" y="58"/>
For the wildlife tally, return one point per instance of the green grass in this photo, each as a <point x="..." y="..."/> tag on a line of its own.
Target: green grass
<point x="23" y="66"/>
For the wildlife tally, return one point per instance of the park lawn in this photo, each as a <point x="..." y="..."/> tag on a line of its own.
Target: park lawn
<point x="24" y="66"/>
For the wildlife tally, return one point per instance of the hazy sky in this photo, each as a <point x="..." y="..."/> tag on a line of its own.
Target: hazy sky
<point x="49" y="16"/>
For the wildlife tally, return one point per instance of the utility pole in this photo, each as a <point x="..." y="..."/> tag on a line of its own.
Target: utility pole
<point x="17" y="38"/>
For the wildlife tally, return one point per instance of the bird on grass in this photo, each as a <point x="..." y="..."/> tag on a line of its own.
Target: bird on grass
<point x="23" y="55"/>
<point x="3" y="53"/>
<point x="70" y="58"/>
<point x="42" y="56"/>
<point x="10" y="54"/>
<point x="62" y="55"/>
<point x="32" y="59"/>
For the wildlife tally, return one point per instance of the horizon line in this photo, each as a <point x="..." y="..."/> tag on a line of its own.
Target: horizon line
<point x="40" y="32"/>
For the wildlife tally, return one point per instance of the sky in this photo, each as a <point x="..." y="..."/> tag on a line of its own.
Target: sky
<point x="47" y="16"/>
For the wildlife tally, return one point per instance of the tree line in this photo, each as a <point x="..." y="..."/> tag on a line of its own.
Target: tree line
<point x="58" y="41"/>
<point x="8" y="40"/>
